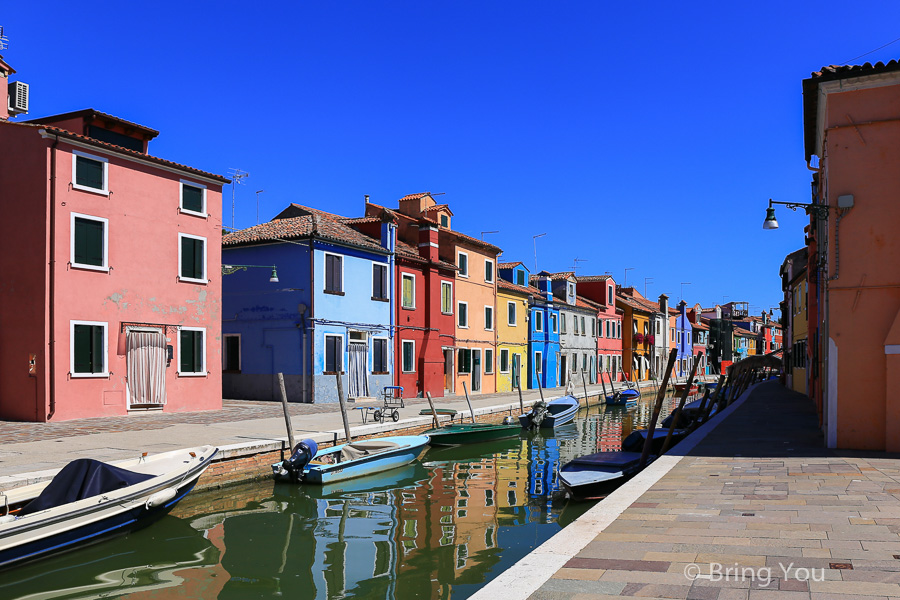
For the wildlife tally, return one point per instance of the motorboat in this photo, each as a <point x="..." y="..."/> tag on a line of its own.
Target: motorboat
<point x="558" y="411"/>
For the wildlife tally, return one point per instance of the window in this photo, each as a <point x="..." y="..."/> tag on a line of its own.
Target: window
<point x="619" y="323"/>
<point x="504" y="360"/>
<point x="89" y="242"/>
<point x="409" y="356"/>
<point x="88" y="349"/>
<point x="610" y="327"/>
<point x="562" y="321"/>
<point x="462" y="264"/>
<point x="609" y="291"/>
<point x="657" y="328"/>
<point x="593" y="327"/>
<point x="409" y="291"/>
<point x="584" y="359"/>
<point x="334" y="354"/>
<point x="334" y="274"/>
<point x="193" y="198"/>
<point x="191" y="258"/>
<point x="464" y="361"/>
<point x="538" y="359"/>
<point x="571" y="289"/>
<point x="231" y="352"/>
<point x="575" y="321"/>
<point x="191" y="351"/>
<point x="379" y="282"/>
<point x="488" y="270"/>
<point x="489" y="318"/>
<point x="511" y="314"/>
<point x="672" y="332"/>
<point x="520" y="278"/>
<point x="538" y="320"/>
<point x="462" y="314"/>
<point x="90" y="173"/>
<point x="574" y="362"/>
<point x="446" y="297"/>
<point x="553" y="325"/>
<point x="379" y="355"/>
<point x="445" y="221"/>
<point x="488" y="361"/>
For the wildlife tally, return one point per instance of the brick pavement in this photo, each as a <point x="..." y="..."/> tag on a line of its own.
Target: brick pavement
<point x="758" y="510"/>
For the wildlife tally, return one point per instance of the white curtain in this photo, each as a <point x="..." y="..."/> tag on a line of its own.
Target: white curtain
<point x="359" y="381"/>
<point x="146" y="359"/>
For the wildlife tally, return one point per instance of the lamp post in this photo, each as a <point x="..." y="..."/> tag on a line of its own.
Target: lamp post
<point x="534" y="240"/>
<point x="229" y="269"/>
<point x="819" y="211"/>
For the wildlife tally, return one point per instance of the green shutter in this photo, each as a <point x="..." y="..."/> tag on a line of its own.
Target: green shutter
<point x="88" y="348"/>
<point x="89" y="173"/>
<point x="192" y="258"/>
<point x="191" y="198"/>
<point x="191" y="351"/>
<point x="89" y="242"/>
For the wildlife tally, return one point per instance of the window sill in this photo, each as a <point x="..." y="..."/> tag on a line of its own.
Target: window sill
<point x="333" y="293"/>
<point x="180" y="374"/>
<point x="89" y="267"/>
<point x="463" y="326"/>
<point x="192" y="280"/>
<point x="408" y="372"/>
<point x="376" y="299"/>
<point x="408" y="307"/>
<point x="332" y="373"/>
<point x="449" y="314"/>
<point x="90" y="190"/>
<point x="192" y="213"/>
<point x="104" y="375"/>
<point x="381" y="373"/>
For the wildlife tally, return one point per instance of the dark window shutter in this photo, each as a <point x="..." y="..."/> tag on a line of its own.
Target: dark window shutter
<point x="187" y="352"/>
<point x="88" y="242"/>
<point x="89" y="173"/>
<point x="82" y="345"/>
<point x="198" y="259"/>
<point x="191" y="198"/>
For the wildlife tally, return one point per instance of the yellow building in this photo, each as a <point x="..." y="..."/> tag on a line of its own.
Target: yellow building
<point x="512" y="333"/>
<point x="636" y="347"/>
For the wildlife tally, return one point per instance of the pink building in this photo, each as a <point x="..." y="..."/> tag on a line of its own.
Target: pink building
<point x="111" y="291"/>
<point x="602" y="290"/>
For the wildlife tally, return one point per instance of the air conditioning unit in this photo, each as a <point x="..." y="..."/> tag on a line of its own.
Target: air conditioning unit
<point x="18" y="98"/>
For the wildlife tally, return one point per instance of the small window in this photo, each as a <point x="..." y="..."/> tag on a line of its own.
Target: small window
<point x="191" y="258"/>
<point x="609" y="290"/>
<point x="334" y="274"/>
<point x="409" y="291"/>
<point x="488" y="270"/>
<point x="191" y="351"/>
<point x="575" y="321"/>
<point x="90" y="173"/>
<point x="334" y="354"/>
<point x="409" y="356"/>
<point x="379" y="282"/>
<point x="488" y="361"/>
<point x="462" y="264"/>
<point x="520" y="278"/>
<point x="538" y="360"/>
<point x="464" y="361"/>
<point x="445" y="221"/>
<point x="462" y="314"/>
<point x="504" y="360"/>
<point x="231" y="352"/>
<point x="583" y="329"/>
<point x="511" y="314"/>
<point x="562" y="322"/>
<point x="553" y="325"/>
<point x="89" y="242"/>
<point x="88" y="349"/>
<point x="193" y="198"/>
<point x="489" y="318"/>
<point x="446" y="297"/>
<point x="379" y="355"/>
<point x="538" y="320"/>
<point x="593" y="327"/>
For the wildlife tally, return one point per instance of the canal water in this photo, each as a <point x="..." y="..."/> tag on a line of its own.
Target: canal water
<point x="439" y="528"/>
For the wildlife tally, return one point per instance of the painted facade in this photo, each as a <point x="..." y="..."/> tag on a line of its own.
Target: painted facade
<point x="602" y="290"/>
<point x="684" y="341"/>
<point x="91" y="326"/>
<point x="577" y="330"/>
<point x="795" y="286"/>
<point x="700" y="339"/>
<point x="543" y="336"/>
<point x="512" y="326"/>
<point x="637" y="339"/>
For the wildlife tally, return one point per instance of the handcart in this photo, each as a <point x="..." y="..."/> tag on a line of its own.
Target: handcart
<point x="392" y="399"/>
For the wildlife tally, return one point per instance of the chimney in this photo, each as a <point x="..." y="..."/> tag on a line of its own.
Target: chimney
<point x="664" y="304"/>
<point x="5" y="72"/>
<point x="545" y="286"/>
<point x="428" y="242"/>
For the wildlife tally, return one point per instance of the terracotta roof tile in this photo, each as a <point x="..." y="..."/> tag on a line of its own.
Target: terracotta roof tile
<point x="593" y="277"/>
<point x="90" y="112"/>
<point x="415" y="196"/>
<point x="508" y="265"/>
<point x="358" y="220"/>
<point x="559" y="276"/>
<point x="314" y="225"/>
<point x="505" y="285"/>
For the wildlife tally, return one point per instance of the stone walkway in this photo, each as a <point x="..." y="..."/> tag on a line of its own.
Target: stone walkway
<point x="758" y="510"/>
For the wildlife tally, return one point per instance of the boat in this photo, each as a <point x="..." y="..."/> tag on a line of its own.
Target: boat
<point x="89" y="500"/>
<point x="623" y="397"/>
<point x="550" y="414"/>
<point x="690" y="412"/>
<point x="470" y="433"/>
<point x="634" y="442"/>
<point x="347" y="461"/>
<point x="680" y="387"/>
<point x="597" y="475"/>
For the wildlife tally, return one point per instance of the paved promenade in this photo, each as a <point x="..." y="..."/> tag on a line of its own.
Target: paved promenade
<point x="757" y="510"/>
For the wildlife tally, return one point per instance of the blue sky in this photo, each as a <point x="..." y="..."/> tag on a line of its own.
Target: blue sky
<point x="636" y="135"/>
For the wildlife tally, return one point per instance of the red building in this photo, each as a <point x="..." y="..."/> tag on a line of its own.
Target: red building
<point x="602" y="290"/>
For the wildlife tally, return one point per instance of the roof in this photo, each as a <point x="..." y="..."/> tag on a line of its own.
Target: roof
<point x="558" y="276"/>
<point x="64" y="133"/>
<point x="511" y="287"/>
<point x="405" y="251"/>
<point x="471" y="240"/>
<point x="744" y="333"/>
<point x="593" y="277"/>
<point x="508" y="265"/>
<point x="589" y="304"/>
<point x="832" y="73"/>
<point x="93" y="114"/>
<point x="358" y="220"/>
<point x="702" y="326"/>
<point x="315" y="225"/>
<point x="637" y="303"/>
<point x="438" y="207"/>
<point x="415" y="196"/>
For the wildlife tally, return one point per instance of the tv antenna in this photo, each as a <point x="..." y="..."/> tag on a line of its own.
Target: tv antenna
<point x="237" y="177"/>
<point x="575" y="264"/>
<point x="4" y="41"/>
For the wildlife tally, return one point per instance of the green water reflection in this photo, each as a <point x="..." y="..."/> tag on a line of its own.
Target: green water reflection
<point x="438" y="528"/>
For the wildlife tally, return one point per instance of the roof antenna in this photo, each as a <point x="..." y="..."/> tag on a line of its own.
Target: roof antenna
<point x="237" y="176"/>
<point x="575" y="265"/>
<point x="4" y="41"/>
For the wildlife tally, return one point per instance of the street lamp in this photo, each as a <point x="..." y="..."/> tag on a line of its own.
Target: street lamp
<point x="229" y="269"/>
<point x="819" y="211"/>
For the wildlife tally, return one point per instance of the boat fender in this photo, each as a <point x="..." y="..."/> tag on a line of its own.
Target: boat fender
<point x="160" y="497"/>
<point x="304" y="452"/>
<point x="509" y="420"/>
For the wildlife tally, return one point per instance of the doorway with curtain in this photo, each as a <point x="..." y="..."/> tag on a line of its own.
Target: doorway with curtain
<point x="145" y="360"/>
<point x="358" y="370"/>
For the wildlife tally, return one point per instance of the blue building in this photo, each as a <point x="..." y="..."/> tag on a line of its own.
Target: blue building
<point x="543" y="336"/>
<point x="330" y="312"/>
<point x="684" y="341"/>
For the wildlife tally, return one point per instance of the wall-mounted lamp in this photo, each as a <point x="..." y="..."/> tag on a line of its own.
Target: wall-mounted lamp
<point x="229" y="269"/>
<point x="819" y="211"/>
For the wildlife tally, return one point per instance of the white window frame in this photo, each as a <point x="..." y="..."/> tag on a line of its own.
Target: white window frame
<point x="554" y="323"/>
<point x="224" y="346"/>
<point x="412" y="277"/>
<point x="459" y="272"/>
<point x="202" y="371"/>
<point x="325" y="337"/>
<point x="487" y="363"/>
<point x="508" y="365"/>
<point x="488" y="307"/>
<point x="403" y="343"/>
<point x="105" y="372"/>
<point x="325" y="272"/>
<point x="450" y="285"/>
<point x="538" y="320"/>
<point x="205" y="257"/>
<point x="105" y="265"/>
<point x="512" y="316"/>
<point x="538" y="361"/>
<point x="458" y="313"/>
<point x="105" y="190"/>
<point x="491" y="271"/>
<point x="181" y="208"/>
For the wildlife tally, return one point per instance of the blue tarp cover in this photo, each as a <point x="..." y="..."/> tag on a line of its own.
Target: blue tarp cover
<point x="82" y="478"/>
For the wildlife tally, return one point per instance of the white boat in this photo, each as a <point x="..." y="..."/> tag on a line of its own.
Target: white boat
<point x="88" y="501"/>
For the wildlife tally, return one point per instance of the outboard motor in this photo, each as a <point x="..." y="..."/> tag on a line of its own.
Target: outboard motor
<point x="304" y="452"/>
<point x="538" y="412"/>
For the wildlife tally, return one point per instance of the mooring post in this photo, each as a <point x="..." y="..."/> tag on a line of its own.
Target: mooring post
<point x="677" y="413"/>
<point x="340" y="391"/>
<point x="469" y="402"/>
<point x="519" y="386"/>
<point x="584" y="385"/>
<point x="433" y="412"/>
<point x="287" y="415"/>
<point x="603" y="385"/>
<point x="656" y="409"/>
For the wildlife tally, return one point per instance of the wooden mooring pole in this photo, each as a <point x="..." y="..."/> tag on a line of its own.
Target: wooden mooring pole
<point x="469" y="402"/>
<point x="677" y="414"/>
<point x="340" y="391"/>
<point x="656" y="409"/>
<point x="433" y="412"/>
<point x="287" y="415"/>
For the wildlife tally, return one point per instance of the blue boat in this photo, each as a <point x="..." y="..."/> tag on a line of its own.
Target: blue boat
<point x="635" y="441"/>
<point x="347" y="461"/>
<point x="623" y="397"/>
<point x="551" y="414"/>
<point x="597" y="475"/>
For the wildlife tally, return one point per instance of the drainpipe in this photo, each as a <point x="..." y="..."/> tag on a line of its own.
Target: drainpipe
<point x="312" y="312"/>
<point x="52" y="286"/>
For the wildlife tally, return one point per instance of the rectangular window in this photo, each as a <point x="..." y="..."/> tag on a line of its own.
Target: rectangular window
<point x="584" y="359"/>
<point x="379" y="282"/>
<point x="191" y="351"/>
<point x="562" y="320"/>
<point x="575" y="321"/>
<point x="610" y="294"/>
<point x="231" y="352"/>
<point x="583" y="329"/>
<point x="379" y="355"/>
<point x="488" y="270"/>
<point x="511" y="314"/>
<point x="462" y="314"/>
<point x="464" y="361"/>
<point x="193" y="198"/>
<point x="88" y="349"/>
<point x="90" y="173"/>
<point x="334" y="274"/>
<point x="553" y="323"/>
<point x="574" y="362"/>
<point x="593" y="327"/>
<point x="89" y="242"/>
<point x="538" y="360"/>
<point x="504" y="360"/>
<point x="609" y="328"/>
<point x="409" y="356"/>
<point x="462" y="264"/>
<point x="334" y="354"/>
<point x="488" y="361"/>
<point x="538" y="320"/>
<point x="520" y="278"/>
<point x="489" y="318"/>
<point x="409" y="291"/>
<point x="446" y="297"/>
<point x="191" y="258"/>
